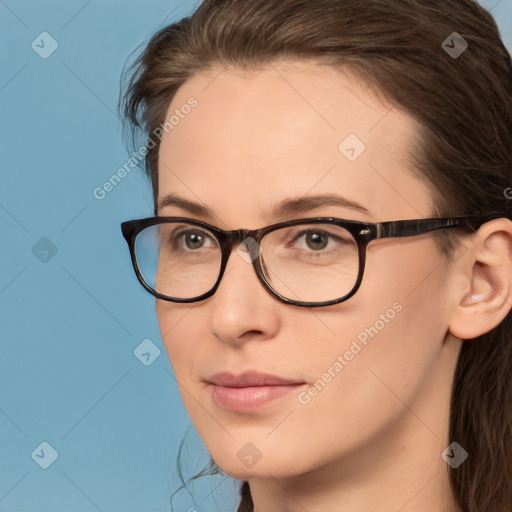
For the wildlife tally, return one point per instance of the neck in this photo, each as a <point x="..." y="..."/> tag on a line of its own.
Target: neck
<point x="407" y="477"/>
<point x="401" y="469"/>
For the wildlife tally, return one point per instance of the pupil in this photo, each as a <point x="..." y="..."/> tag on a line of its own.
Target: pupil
<point x="315" y="238"/>
<point x="194" y="238"/>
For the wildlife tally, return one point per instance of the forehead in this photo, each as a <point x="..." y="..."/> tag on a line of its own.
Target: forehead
<point x="286" y="130"/>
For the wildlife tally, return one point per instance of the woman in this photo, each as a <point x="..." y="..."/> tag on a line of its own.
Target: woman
<point x="345" y="358"/>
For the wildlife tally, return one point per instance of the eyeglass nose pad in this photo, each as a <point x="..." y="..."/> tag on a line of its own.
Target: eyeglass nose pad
<point x="248" y="249"/>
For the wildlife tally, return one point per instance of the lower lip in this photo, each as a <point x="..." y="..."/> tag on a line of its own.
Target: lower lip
<point x="249" y="398"/>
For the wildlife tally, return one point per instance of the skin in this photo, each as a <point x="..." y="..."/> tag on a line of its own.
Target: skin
<point x="372" y="439"/>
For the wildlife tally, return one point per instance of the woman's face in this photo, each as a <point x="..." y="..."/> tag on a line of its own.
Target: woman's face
<point x="375" y="370"/>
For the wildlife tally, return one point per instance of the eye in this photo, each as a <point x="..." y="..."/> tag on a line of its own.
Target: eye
<point x="192" y="239"/>
<point x="318" y="239"/>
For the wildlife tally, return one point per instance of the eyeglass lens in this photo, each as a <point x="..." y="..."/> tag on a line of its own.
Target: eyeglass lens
<point x="306" y="262"/>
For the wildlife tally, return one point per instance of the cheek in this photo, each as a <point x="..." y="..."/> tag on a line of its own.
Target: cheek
<point x="179" y="335"/>
<point x="385" y="343"/>
<point x="407" y="296"/>
<point x="360" y="388"/>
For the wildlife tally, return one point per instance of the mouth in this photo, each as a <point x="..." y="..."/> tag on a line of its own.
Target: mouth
<point x="250" y="390"/>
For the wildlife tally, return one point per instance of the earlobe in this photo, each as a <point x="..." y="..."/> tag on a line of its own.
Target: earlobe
<point x="487" y="270"/>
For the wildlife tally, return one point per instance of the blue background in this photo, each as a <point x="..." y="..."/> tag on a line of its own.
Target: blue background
<point x="71" y="310"/>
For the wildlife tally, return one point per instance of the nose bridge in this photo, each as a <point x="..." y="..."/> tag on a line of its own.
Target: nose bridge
<point x="237" y="236"/>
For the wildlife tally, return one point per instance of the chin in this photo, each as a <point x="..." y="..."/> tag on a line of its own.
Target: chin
<point x="250" y="462"/>
<point x="259" y="470"/>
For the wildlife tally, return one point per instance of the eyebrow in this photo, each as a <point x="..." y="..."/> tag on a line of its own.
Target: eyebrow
<point x="282" y="209"/>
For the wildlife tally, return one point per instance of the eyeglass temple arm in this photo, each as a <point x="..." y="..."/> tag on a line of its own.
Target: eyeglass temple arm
<point x="418" y="226"/>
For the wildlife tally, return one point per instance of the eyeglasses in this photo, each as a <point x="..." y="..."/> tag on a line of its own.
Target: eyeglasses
<point x="305" y="262"/>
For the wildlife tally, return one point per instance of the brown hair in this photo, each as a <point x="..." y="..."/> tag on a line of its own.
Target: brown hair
<point x="463" y="147"/>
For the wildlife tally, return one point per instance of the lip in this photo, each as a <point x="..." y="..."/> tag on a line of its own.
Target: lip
<point x="249" y="391"/>
<point x="249" y="378"/>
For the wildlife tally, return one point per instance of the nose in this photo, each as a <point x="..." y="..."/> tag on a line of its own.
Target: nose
<point x="241" y="308"/>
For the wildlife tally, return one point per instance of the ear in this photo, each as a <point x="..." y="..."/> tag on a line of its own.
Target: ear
<point x="485" y="273"/>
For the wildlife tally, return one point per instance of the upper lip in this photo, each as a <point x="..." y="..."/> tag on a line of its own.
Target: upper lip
<point x="249" y="378"/>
